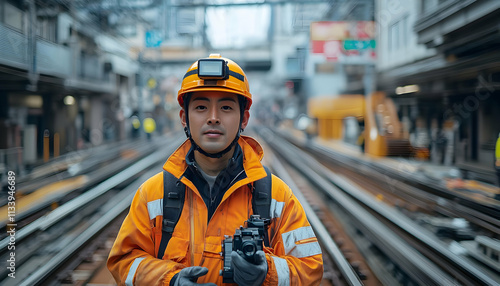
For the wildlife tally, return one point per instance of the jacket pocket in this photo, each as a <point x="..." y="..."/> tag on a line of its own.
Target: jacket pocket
<point x="213" y="251"/>
<point x="177" y="250"/>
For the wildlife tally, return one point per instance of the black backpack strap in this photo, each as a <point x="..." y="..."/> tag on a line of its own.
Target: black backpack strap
<point x="261" y="199"/>
<point x="173" y="200"/>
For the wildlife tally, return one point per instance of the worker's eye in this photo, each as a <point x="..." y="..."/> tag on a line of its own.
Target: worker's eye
<point x="200" y="107"/>
<point x="226" y="107"/>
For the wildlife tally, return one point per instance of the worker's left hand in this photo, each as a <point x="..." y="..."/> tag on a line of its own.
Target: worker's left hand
<point x="246" y="273"/>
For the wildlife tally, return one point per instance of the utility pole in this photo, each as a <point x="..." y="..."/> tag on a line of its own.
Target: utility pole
<point x="32" y="70"/>
<point x="140" y="108"/>
<point x="368" y="79"/>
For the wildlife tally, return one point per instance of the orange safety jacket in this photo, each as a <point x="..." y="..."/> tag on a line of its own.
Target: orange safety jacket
<point x="293" y="258"/>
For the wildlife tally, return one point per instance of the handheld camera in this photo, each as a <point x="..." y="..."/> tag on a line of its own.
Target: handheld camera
<point x="246" y="242"/>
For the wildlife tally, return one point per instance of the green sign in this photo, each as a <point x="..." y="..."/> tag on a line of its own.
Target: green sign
<point x="359" y="45"/>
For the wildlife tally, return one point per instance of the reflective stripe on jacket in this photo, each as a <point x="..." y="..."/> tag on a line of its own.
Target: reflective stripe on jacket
<point x="293" y="258"/>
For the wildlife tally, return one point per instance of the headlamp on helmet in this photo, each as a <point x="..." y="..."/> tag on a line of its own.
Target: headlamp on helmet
<point x="215" y="73"/>
<point x="213" y="69"/>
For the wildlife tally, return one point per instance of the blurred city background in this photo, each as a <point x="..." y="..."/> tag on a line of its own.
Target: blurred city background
<point x="415" y="81"/>
<point x="78" y="73"/>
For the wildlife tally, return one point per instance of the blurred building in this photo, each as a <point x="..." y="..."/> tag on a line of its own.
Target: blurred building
<point x="440" y="62"/>
<point x="342" y="68"/>
<point x="314" y="64"/>
<point x="63" y="76"/>
<point x="82" y="70"/>
<point x="73" y="74"/>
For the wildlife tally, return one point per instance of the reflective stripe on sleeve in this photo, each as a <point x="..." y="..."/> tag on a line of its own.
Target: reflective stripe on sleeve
<point x="131" y="272"/>
<point x="306" y="249"/>
<point x="155" y="208"/>
<point x="300" y="250"/>
<point x="276" y="208"/>
<point x="282" y="270"/>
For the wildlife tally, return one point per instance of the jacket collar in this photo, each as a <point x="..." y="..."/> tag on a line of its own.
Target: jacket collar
<point x="252" y="155"/>
<point x="233" y="169"/>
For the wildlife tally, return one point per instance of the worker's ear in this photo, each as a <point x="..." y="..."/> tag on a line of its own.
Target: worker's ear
<point x="246" y="117"/>
<point x="182" y="115"/>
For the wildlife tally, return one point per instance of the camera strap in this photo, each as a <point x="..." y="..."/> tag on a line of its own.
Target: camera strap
<point x="261" y="199"/>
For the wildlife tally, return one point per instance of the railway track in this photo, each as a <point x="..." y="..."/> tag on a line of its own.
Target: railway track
<point x="49" y="248"/>
<point x="338" y="269"/>
<point x="364" y="241"/>
<point x="60" y="181"/>
<point x="59" y="244"/>
<point x="410" y="253"/>
<point x="417" y="192"/>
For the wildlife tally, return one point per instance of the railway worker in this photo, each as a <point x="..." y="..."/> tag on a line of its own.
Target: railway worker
<point x="497" y="158"/>
<point x="218" y="167"/>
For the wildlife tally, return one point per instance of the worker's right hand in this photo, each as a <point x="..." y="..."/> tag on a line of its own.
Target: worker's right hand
<point x="189" y="275"/>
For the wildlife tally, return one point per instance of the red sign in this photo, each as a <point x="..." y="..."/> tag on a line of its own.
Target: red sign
<point x="328" y="38"/>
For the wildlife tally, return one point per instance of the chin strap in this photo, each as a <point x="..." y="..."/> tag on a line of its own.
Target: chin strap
<point x="212" y="155"/>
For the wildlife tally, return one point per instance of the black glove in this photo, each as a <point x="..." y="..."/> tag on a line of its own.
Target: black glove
<point x="246" y="273"/>
<point x="189" y="275"/>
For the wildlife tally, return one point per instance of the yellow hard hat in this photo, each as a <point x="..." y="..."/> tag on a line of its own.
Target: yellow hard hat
<point x="215" y="73"/>
<point x="136" y="123"/>
<point x="149" y="125"/>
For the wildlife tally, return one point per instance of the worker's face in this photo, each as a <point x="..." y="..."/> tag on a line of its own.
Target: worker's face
<point x="214" y="119"/>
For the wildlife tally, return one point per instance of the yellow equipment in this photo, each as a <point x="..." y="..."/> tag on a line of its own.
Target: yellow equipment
<point x="382" y="135"/>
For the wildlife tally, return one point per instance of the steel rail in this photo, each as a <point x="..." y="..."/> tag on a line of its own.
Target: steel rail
<point x="491" y="209"/>
<point x="414" y="264"/>
<point x="447" y="202"/>
<point x="91" y="178"/>
<point x="468" y="270"/>
<point x="47" y="271"/>
<point x="331" y="247"/>
<point x="44" y="223"/>
<point x="58" y="168"/>
<point x="75" y="204"/>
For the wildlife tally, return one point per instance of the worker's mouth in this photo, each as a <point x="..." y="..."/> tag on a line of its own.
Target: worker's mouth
<point x="213" y="133"/>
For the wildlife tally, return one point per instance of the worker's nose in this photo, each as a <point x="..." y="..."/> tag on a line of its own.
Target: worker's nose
<point x="213" y="117"/>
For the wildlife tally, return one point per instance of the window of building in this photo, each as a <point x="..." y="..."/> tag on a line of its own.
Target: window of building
<point x="394" y="37"/>
<point x="46" y="28"/>
<point x="13" y="16"/>
<point x="494" y="255"/>
<point x="2" y="4"/>
<point x="404" y="32"/>
<point x="293" y="66"/>
<point x="399" y="32"/>
<point x="391" y="38"/>
<point x="326" y="67"/>
<point x="482" y="249"/>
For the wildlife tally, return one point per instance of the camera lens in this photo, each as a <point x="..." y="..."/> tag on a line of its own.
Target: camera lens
<point x="249" y="248"/>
